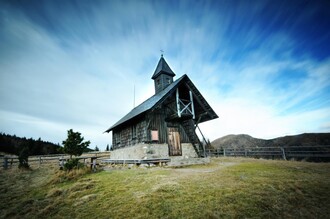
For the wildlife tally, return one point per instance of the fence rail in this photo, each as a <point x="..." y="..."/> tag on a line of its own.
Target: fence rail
<point x="286" y="152"/>
<point x="10" y="160"/>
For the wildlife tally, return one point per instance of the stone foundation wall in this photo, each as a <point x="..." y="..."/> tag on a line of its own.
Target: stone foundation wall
<point x="188" y="150"/>
<point x="147" y="151"/>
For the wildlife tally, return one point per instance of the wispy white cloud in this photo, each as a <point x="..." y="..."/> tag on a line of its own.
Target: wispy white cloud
<point x="258" y="101"/>
<point x="76" y="65"/>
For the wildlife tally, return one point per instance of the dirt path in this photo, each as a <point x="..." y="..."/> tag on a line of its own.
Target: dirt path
<point x="177" y="176"/>
<point x="185" y="171"/>
<point x="191" y="170"/>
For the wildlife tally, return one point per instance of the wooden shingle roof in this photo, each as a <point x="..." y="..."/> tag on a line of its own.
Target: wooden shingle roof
<point x="158" y="98"/>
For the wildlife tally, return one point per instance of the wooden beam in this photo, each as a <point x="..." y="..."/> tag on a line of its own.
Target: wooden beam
<point x="197" y="98"/>
<point x="178" y="102"/>
<point x="192" y="104"/>
<point x="185" y="107"/>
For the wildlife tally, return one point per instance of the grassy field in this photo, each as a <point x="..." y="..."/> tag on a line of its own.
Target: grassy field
<point x="225" y="188"/>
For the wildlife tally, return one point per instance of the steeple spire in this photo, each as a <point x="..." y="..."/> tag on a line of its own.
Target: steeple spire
<point x="163" y="75"/>
<point x="162" y="68"/>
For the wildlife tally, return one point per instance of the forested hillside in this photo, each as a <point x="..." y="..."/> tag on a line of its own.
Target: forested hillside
<point x="13" y="144"/>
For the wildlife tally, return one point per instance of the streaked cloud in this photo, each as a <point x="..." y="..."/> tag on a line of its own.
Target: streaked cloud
<point x="264" y="66"/>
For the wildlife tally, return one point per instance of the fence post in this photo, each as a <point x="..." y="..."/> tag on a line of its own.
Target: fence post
<point x="245" y="152"/>
<point x="224" y="152"/>
<point x="283" y="153"/>
<point x="39" y="161"/>
<point x="5" y="162"/>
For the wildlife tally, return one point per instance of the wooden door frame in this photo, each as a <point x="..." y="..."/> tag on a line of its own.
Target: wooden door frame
<point x="177" y="142"/>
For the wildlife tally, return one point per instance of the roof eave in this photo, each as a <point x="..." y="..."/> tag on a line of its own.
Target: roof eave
<point x="167" y="91"/>
<point x="162" y="72"/>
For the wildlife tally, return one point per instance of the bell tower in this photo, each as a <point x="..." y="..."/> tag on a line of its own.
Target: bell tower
<point x="163" y="75"/>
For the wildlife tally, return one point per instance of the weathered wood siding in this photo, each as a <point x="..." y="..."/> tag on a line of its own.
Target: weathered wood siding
<point x="157" y="122"/>
<point x="154" y="120"/>
<point x="125" y="136"/>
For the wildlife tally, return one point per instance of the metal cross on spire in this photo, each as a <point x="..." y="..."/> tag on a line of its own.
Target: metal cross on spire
<point x="162" y="52"/>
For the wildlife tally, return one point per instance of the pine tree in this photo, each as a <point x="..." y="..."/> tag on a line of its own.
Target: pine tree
<point x="96" y="148"/>
<point x="107" y="148"/>
<point x="74" y="144"/>
<point x="23" y="157"/>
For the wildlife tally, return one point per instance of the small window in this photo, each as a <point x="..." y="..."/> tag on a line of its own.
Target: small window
<point x="117" y="138"/>
<point x="154" y="135"/>
<point x="133" y="131"/>
<point x="158" y="82"/>
<point x="168" y="80"/>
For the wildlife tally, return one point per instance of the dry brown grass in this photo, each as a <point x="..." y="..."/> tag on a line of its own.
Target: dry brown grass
<point x="61" y="176"/>
<point x="225" y="188"/>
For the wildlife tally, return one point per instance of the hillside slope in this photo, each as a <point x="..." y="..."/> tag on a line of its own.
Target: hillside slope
<point x="246" y="141"/>
<point x="225" y="188"/>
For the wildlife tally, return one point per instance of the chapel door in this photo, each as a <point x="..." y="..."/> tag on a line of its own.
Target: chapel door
<point x="174" y="143"/>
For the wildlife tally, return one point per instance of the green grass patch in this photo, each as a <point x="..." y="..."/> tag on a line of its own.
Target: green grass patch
<point x="225" y="188"/>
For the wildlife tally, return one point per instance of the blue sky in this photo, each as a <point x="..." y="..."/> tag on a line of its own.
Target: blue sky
<point x="262" y="65"/>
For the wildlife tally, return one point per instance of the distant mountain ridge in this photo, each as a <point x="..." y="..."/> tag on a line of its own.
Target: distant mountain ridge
<point x="246" y="141"/>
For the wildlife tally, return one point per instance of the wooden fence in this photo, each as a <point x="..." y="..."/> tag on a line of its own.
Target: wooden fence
<point x="286" y="152"/>
<point x="316" y="153"/>
<point x="12" y="160"/>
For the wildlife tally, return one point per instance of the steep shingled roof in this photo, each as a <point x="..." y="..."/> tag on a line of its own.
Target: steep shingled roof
<point x="162" y="67"/>
<point x="161" y="96"/>
<point x="148" y="104"/>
